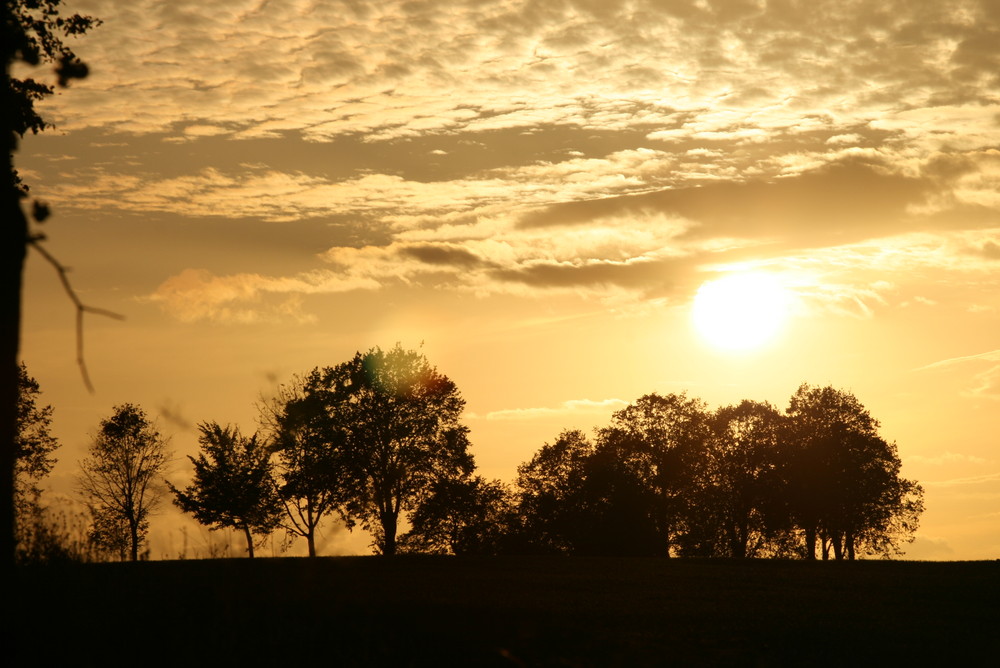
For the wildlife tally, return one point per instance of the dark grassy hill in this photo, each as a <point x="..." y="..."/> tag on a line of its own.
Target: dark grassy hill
<point x="508" y="612"/>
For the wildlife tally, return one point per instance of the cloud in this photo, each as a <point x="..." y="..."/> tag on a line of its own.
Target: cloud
<point x="840" y="202"/>
<point x="198" y="295"/>
<point x="989" y="356"/>
<point x="946" y="457"/>
<point x="612" y="150"/>
<point x="928" y="548"/>
<point x="570" y="407"/>
<point x="985" y="479"/>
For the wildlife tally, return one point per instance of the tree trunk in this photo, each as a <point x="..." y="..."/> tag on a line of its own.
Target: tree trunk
<point x="133" y="529"/>
<point x="810" y="543"/>
<point x="13" y="245"/>
<point x="388" y="520"/>
<point x="249" y="536"/>
<point x="849" y="545"/>
<point x="311" y="542"/>
<point x="838" y="546"/>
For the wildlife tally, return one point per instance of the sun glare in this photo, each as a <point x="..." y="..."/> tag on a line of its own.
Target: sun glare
<point x="740" y="311"/>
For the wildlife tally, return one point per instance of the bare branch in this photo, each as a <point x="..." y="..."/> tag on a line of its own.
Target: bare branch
<point x="81" y="308"/>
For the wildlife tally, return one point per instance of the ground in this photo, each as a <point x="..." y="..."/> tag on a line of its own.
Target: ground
<point x="363" y="611"/>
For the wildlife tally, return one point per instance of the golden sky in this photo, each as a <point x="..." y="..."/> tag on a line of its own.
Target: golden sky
<point x="534" y="191"/>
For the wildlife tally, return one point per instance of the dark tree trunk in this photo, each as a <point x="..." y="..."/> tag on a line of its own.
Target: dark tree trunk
<point x="849" y="544"/>
<point x="13" y="245"/>
<point x="311" y="542"/>
<point x="388" y="520"/>
<point x="133" y="529"/>
<point x="838" y="546"/>
<point x="810" y="543"/>
<point x="249" y="537"/>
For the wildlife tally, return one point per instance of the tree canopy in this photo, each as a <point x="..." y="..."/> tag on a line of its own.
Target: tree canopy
<point x="396" y="424"/>
<point x="233" y="484"/>
<point x="119" y="480"/>
<point x="669" y="477"/>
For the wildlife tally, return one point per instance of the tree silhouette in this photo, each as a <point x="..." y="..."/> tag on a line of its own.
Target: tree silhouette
<point x="845" y="489"/>
<point x="661" y="439"/>
<point x="668" y="477"/>
<point x="742" y="484"/>
<point x="461" y="516"/>
<point x="395" y="419"/>
<point x="33" y="460"/>
<point x="548" y="488"/>
<point x="34" y="443"/>
<point x="233" y="484"/>
<point x="30" y="32"/>
<point x="118" y="479"/>
<point x="312" y="476"/>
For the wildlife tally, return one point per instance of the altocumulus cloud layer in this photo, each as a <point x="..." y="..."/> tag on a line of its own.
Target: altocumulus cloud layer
<point x="616" y="150"/>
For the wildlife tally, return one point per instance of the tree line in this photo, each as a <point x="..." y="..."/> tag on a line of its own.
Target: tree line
<point x="377" y="442"/>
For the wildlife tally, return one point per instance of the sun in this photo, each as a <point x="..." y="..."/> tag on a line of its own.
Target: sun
<point x="740" y="311"/>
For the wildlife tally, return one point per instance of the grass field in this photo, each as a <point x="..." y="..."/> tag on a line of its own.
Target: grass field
<point x="509" y="612"/>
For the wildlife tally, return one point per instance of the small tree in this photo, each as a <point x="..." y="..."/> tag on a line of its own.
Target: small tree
<point x="33" y="460"/>
<point x="395" y="422"/>
<point x="119" y="479"/>
<point x="233" y="484"/>
<point x="312" y="480"/>
<point x="34" y="443"/>
<point x="461" y="516"/>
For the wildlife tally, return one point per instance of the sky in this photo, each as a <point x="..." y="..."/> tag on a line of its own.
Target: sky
<point x="533" y="193"/>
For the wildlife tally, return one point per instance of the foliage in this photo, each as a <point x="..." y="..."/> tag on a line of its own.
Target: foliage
<point x="37" y="33"/>
<point x="661" y="442"/>
<point x="546" y="487"/>
<point x="47" y="535"/>
<point x="747" y="481"/>
<point x="741" y="497"/>
<point x="844" y="478"/>
<point x="34" y="443"/>
<point x="311" y="478"/>
<point x="233" y="484"/>
<point x="119" y="479"/>
<point x="394" y="421"/>
<point x="461" y="517"/>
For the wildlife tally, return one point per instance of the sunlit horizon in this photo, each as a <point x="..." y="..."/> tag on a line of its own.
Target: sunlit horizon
<point x="564" y="206"/>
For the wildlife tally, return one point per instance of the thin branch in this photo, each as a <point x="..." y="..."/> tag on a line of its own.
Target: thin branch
<point x="81" y="308"/>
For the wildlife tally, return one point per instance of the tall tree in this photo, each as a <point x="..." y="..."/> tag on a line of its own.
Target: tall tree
<point x="30" y="32"/>
<point x="313" y="482"/>
<point x="233" y="484"/>
<point x="396" y="422"/>
<point x="662" y="440"/>
<point x="845" y="486"/>
<point x="745" y="482"/>
<point x="548" y="487"/>
<point x="119" y="479"/>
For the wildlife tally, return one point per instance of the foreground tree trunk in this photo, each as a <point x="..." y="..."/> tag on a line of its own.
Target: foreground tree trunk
<point x="249" y="537"/>
<point x="13" y="242"/>
<point x="389" y="521"/>
<point x="810" y="543"/>
<point x="133" y="535"/>
<point x="311" y="542"/>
